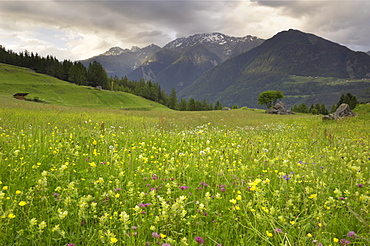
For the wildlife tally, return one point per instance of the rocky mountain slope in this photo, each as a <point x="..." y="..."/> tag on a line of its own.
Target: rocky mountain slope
<point x="120" y="62"/>
<point x="195" y="55"/>
<point x="291" y="61"/>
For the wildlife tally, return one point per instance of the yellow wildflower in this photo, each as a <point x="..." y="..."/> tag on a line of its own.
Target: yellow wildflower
<point x="269" y="234"/>
<point x="22" y="203"/>
<point x="11" y="216"/>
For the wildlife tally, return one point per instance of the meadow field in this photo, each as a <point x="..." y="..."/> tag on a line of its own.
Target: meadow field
<point x="77" y="176"/>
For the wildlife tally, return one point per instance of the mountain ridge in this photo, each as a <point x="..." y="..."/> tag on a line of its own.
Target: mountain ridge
<point x="214" y="48"/>
<point x="240" y="79"/>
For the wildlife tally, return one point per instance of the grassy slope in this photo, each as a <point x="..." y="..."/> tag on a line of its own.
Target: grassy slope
<point x="53" y="91"/>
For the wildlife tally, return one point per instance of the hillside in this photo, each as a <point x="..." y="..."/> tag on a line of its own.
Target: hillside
<point x="57" y="92"/>
<point x="306" y="68"/>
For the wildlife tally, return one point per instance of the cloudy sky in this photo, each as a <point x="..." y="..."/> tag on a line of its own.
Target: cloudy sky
<point x="79" y="29"/>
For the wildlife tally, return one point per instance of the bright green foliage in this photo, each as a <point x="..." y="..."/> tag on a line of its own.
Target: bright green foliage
<point x="71" y="176"/>
<point x="269" y="98"/>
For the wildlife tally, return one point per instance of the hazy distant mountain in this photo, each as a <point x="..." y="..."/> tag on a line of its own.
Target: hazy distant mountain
<point x="120" y="62"/>
<point x="185" y="59"/>
<point x="289" y="61"/>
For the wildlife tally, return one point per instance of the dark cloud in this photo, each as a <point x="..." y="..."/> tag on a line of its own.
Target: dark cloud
<point x="93" y="26"/>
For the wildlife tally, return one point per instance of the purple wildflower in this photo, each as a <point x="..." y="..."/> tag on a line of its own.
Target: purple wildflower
<point x="56" y="194"/>
<point x="71" y="244"/>
<point x="341" y="198"/>
<point x="360" y="185"/>
<point x="134" y="227"/>
<point x="344" y="242"/>
<point x="147" y="243"/>
<point x="183" y="187"/>
<point x="118" y="189"/>
<point x="199" y="240"/>
<point x="156" y="235"/>
<point x="278" y="230"/>
<point x="203" y="183"/>
<point x="223" y="189"/>
<point x="286" y="177"/>
<point x="166" y="244"/>
<point x="352" y="234"/>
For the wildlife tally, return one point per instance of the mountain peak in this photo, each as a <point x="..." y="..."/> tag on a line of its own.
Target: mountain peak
<point x="215" y="38"/>
<point x="114" y="51"/>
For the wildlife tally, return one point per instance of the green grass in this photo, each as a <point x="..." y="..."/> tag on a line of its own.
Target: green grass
<point x="73" y="175"/>
<point x="94" y="176"/>
<point x="56" y="92"/>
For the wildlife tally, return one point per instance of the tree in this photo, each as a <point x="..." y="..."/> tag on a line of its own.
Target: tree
<point x="183" y="105"/>
<point x="97" y="76"/>
<point x="218" y="105"/>
<point x="349" y="99"/>
<point x="269" y="98"/>
<point x="172" y="100"/>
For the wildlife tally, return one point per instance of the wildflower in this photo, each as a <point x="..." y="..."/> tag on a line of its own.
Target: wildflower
<point x="42" y="225"/>
<point x="312" y="196"/>
<point x="199" y="240"/>
<point x="166" y="244"/>
<point x="344" y="242"/>
<point x="352" y="234"/>
<point x="71" y="244"/>
<point x="233" y="201"/>
<point x="162" y="235"/>
<point x="11" y="216"/>
<point x="360" y="185"/>
<point x="113" y="239"/>
<point x="204" y="184"/>
<point x="183" y="187"/>
<point x="22" y="203"/>
<point x="286" y="177"/>
<point x="239" y="197"/>
<point x="269" y="234"/>
<point x="335" y="240"/>
<point x="33" y="221"/>
<point x="309" y="235"/>
<point x="278" y="230"/>
<point x="156" y="235"/>
<point x="18" y="192"/>
<point x="5" y="187"/>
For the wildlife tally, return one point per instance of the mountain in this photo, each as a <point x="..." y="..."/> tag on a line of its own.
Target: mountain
<point x="120" y="62"/>
<point x="305" y="67"/>
<point x="188" y="58"/>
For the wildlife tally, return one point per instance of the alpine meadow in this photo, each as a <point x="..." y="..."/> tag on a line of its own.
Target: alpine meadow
<point x="74" y="174"/>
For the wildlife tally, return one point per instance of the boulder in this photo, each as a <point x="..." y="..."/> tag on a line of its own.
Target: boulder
<point x="279" y="108"/>
<point x="342" y="111"/>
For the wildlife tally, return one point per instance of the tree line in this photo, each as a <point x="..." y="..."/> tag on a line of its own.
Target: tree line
<point x="96" y="76"/>
<point x="348" y="98"/>
<point x="269" y="99"/>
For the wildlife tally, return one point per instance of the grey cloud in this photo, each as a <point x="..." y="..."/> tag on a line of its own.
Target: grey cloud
<point x="142" y="22"/>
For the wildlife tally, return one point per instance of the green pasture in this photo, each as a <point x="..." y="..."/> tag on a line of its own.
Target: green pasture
<point x="85" y="176"/>
<point x="50" y="90"/>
